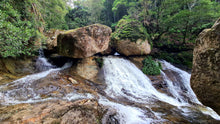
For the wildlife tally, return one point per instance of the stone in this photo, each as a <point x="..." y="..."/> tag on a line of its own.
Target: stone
<point x="72" y="80"/>
<point x="86" y="68"/>
<point x="84" y="42"/>
<point x="85" y="111"/>
<point x="51" y="42"/>
<point x="205" y="79"/>
<point x="129" y="48"/>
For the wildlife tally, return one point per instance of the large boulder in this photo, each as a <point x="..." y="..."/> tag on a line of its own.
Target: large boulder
<point x="51" y="42"/>
<point x="130" y="38"/>
<point x="205" y="79"/>
<point x="128" y="48"/>
<point x="84" y="42"/>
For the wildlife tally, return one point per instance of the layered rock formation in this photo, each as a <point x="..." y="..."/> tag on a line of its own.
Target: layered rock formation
<point x="84" y="42"/>
<point x="205" y="79"/>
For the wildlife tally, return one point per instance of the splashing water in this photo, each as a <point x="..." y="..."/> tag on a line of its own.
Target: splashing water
<point x="128" y="91"/>
<point x="125" y="81"/>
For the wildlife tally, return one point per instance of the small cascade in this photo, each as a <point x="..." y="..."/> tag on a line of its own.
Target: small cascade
<point x="42" y="63"/>
<point x="180" y="88"/>
<point x="127" y="92"/>
<point x="130" y="82"/>
<point x="26" y="90"/>
<point x="127" y="84"/>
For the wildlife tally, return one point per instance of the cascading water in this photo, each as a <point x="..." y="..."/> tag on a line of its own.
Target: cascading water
<point x="25" y="90"/>
<point x="125" y="81"/>
<point x="42" y="64"/>
<point x="128" y="92"/>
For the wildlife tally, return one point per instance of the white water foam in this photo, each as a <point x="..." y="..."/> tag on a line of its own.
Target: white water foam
<point x="20" y="91"/>
<point x="124" y="79"/>
<point x="129" y="115"/>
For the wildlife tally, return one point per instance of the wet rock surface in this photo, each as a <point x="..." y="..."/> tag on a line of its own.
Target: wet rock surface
<point x="205" y="79"/>
<point x="64" y="96"/>
<point x="14" y="68"/>
<point x="86" y="111"/>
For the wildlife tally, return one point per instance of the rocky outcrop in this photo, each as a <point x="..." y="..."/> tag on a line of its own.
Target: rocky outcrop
<point x="51" y="42"/>
<point x="86" y="111"/>
<point x="84" y="42"/>
<point x="205" y="79"/>
<point x="128" y="48"/>
<point x="14" y="68"/>
<point x="86" y="68"/>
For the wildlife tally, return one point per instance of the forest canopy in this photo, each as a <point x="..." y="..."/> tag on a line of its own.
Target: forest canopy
<point x="170" y="24"/>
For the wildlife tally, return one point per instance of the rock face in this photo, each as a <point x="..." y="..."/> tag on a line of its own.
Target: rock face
<point x="205" y="79"/>
<point x="128" y="48"/>
<point x="86" y="68"/>
<point x="86" y="111"/>
<point x="14" y="68"/>
<point x="84" y="42"/>
<point x="51" y="42"/>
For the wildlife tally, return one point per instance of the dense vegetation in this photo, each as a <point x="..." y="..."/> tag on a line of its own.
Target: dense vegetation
<point x="22" y="24"/>
<point x="171" y="25"/>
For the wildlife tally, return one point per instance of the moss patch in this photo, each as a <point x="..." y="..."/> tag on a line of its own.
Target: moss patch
<point x="129" y="29"/>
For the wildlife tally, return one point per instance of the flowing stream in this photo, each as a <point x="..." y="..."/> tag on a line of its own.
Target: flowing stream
<point x="129" y="93"/>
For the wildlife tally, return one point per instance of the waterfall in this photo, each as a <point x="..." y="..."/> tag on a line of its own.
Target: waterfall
<point x="42" y="63"/>
<point x="182" y="84"/>
<point x="127" y="92"/>
<point x="125" y="82"/>
<point x="124" y="79"/>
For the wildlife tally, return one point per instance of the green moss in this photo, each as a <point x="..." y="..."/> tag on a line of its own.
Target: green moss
<point x="129" y="29"/>
<point x="151" y="67"/>
<point x="99" y="61"/>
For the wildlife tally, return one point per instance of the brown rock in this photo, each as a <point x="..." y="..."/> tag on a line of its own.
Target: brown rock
<point x="51" y="42"/>
<point x="86" y="68"/>
<point x="86" y="111"/>
<point x="128" y="48"/>
<point x="205" y="79"/>
<point x="84" y="42"/>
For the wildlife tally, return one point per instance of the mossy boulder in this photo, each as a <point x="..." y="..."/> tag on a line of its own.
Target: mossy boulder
<point x="130" y="38"/>
<point x="84" y="42"/>
<point x="205" y="79"/>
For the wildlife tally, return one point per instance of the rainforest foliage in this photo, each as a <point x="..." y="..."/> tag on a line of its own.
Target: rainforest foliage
<point x="22" y="22"/>
<point x="171" y="25"/>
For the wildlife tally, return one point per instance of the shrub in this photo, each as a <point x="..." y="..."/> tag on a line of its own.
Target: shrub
<point x="99" y="61"/>
<point x="15" y="33"/>
<point x="151" y="67"/>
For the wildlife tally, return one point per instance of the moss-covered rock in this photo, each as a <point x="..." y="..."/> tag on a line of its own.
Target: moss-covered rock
<point x="130" y="38"/>
<point x="129" y="29"/>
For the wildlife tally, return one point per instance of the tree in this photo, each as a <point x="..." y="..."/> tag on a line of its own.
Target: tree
<point x="77" y="17"/>
<point x="15" y="33"/>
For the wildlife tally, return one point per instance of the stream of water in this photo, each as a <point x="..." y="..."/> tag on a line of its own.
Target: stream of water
<point x="129" y="92"/>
